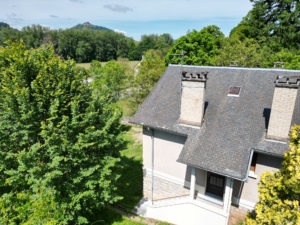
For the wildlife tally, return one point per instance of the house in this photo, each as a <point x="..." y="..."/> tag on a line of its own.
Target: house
<point x="210" y="132"/>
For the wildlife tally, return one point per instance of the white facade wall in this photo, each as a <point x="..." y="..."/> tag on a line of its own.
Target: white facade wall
<point x="249" y="193"/>
<point x="173" y="178"/>
<point x="169" y="175"/>
<point x="167" y="148"/>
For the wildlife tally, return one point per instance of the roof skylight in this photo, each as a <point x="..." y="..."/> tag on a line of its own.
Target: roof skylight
<point x="234" y="91"/>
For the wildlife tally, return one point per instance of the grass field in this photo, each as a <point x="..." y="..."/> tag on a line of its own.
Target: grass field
<point x="130" y="64"/>
<point x="124" y="103"/>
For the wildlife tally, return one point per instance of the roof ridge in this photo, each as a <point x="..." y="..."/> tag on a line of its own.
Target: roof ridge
<point x="237" y="68"/>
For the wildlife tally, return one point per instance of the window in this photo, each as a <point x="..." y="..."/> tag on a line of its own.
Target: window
<point x="234" y="91"/>
<point x="253" y="166"/>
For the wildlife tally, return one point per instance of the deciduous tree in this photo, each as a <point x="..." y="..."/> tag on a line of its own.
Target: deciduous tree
<point x="199" y="47"/>
<point x="112" y="76"/>
<point x="55" y="133"/>
<point x="246" y="52"/>
<point x="150" y="70"/>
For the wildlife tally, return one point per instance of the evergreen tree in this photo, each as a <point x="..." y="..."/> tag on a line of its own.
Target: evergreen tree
<point x="276" y="22"/>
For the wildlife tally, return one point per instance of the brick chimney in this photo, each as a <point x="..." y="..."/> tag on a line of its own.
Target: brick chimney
<point x="192" y="98"/>
<point x="283" y="105"/>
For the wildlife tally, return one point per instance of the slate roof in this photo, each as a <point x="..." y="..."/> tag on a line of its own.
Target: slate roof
<point x="232" y="125"/>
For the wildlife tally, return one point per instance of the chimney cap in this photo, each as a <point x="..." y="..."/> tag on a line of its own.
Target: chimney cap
<point x="287" y="81"/>
<point x="190" y="76"/>
<point x="279" y="63"/>
<point x="234" y="63"/>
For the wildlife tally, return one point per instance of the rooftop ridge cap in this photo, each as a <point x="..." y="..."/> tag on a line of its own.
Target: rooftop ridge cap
<point x="238" y="68"/>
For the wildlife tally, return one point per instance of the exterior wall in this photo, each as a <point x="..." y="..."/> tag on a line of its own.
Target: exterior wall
<point x="172" y="179"/>
<point x="282" y="112"/>
<point x="249" y="193"/>
<point x="169" y="175"/>
<point x="167" y="148"/>
<point x="201" y="176"/>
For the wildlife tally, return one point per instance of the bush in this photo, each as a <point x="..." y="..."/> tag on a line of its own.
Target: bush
<point x="279" y="193"/>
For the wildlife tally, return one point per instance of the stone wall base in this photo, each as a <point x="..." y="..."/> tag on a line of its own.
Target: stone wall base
<point x="162" y="188"/>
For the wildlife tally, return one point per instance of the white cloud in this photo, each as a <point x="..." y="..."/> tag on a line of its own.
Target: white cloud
<point x="118" y="8"/>
<point x="120" y="31"/>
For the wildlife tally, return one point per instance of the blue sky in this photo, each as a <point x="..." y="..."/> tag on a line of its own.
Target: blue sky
<point x="133" y="17"/>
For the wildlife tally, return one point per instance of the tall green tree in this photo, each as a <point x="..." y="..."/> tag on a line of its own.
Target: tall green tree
<point x="112" y="77"/>
<point x="199" y="47"/>
<point x="55" y="133"/>
<point x="33" y="36"/>
<point x="246" y="52"/>
<point x="279" y="193"/>
<point x="150" y="70"/>
<point x="276" y="22"/>
<point x="3" y="25"/>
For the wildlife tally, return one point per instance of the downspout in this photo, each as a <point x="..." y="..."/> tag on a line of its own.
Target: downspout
<point x="249" y="164"/>
<point x="152" y="159"/>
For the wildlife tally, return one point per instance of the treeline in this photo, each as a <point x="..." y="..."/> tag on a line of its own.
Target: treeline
<point x="86" y="45"/>
<point x="269" y="33"/>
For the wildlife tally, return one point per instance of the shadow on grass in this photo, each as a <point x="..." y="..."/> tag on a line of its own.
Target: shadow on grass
<point x="106" y="216"/>
<point x="130" y="185"/>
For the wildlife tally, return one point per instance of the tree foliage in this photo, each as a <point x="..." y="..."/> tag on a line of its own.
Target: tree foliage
<point x="56" y="134"/>
<point x="87" y="42"/>
<point x="150" y="70"/>
<point x="158" y="42"/>
<point x="246" y="52"/>
<point x="199" y="47"/>
<point x="276" y="22"/>
<point x="112" y="76"/>
<point x="3" y="25"/>
<point x="280" y="192"/>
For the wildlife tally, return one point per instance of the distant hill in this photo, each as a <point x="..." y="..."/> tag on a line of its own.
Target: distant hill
<point x="2" y="25"/>
<point x="89" y="26"/>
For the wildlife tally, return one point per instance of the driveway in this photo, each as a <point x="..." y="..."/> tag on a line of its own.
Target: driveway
<point x="182" y="212"/>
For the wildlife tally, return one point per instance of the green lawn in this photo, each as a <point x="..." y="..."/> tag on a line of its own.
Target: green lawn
<point x="131" y="182"/>
<point x="124" y="103"/>
<point x="84" y="65"/>
<point x="109" y="216"/>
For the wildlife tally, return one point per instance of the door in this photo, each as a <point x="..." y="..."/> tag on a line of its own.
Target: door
<point x="215" y="184"/>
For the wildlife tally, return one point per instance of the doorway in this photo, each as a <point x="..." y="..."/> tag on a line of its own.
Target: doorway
<point x="215" y="185"/>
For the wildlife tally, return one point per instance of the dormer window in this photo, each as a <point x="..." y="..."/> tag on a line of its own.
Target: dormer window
<point x="234" y="91"/>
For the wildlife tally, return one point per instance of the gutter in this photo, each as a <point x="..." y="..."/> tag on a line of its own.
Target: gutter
<point x="212" y="171"/>
<point x="237" y="68"/>
<point x="179" y="133"/>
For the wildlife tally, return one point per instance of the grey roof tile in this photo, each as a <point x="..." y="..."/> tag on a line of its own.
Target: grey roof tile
<point x="232" y="125"/>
